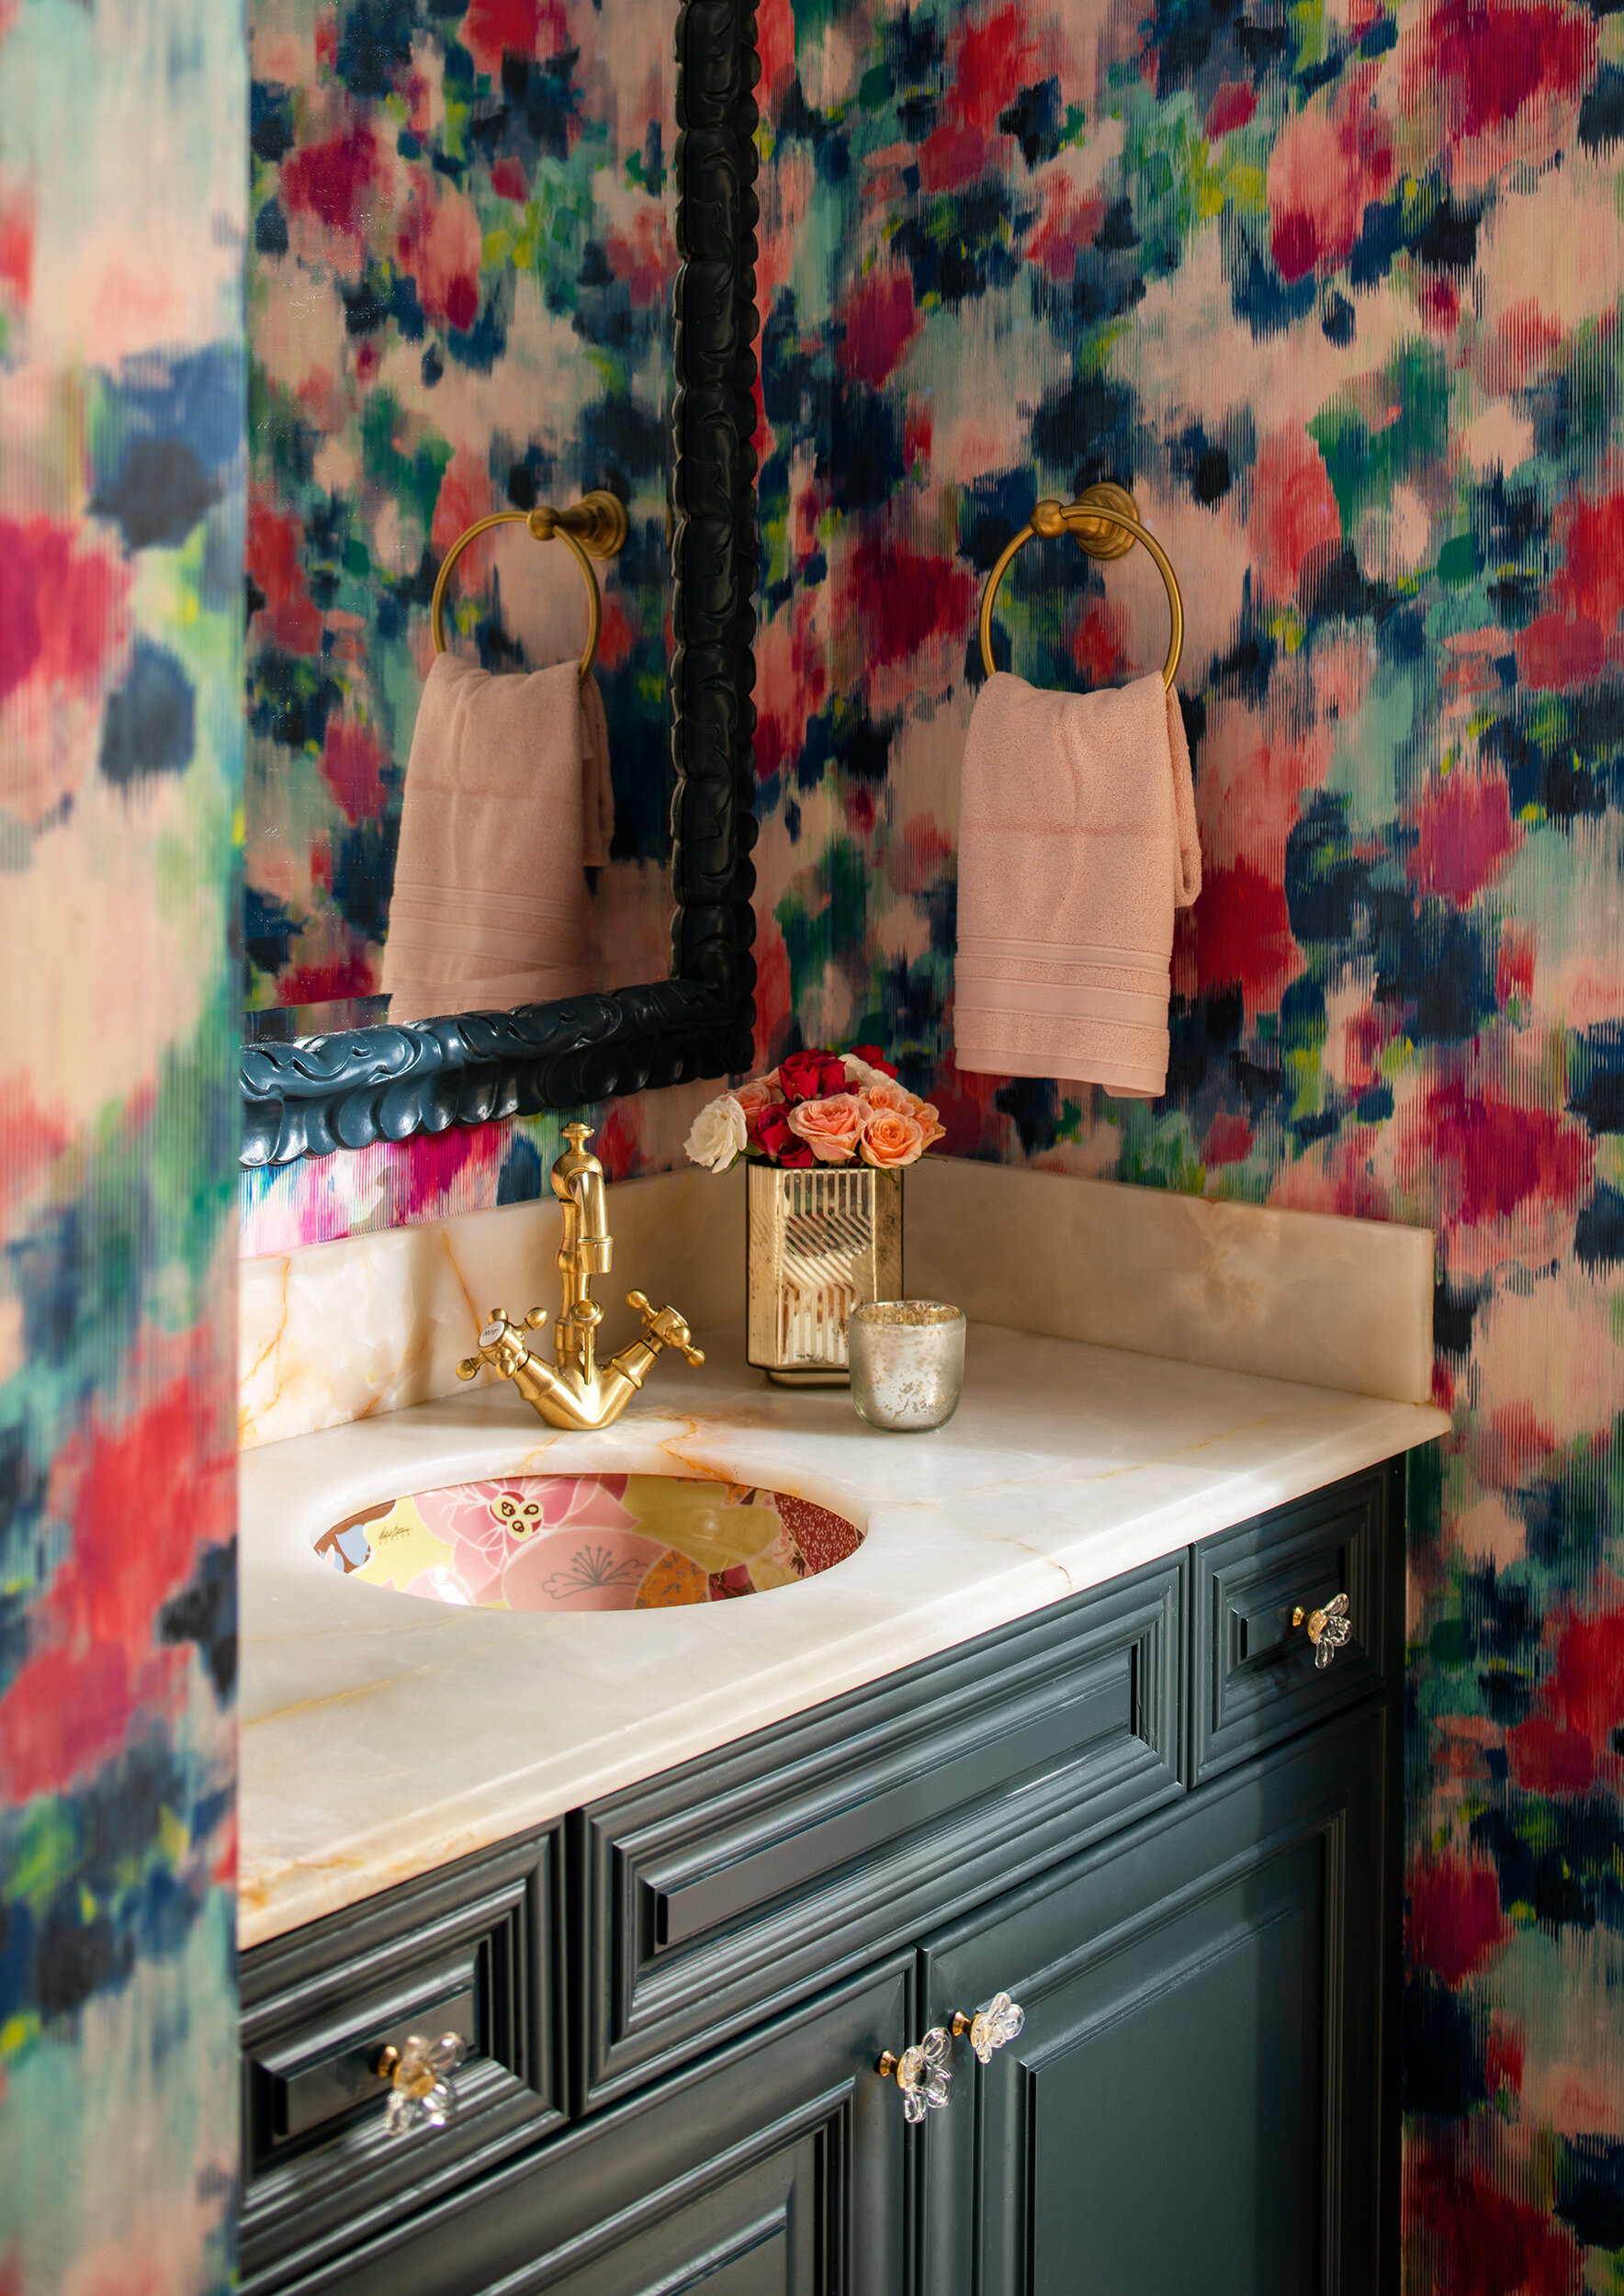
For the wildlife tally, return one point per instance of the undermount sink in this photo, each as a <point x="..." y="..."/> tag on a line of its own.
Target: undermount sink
<point x="588" y="1542"/>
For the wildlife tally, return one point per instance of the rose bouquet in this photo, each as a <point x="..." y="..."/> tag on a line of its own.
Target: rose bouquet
<point x="817" y="1107"/>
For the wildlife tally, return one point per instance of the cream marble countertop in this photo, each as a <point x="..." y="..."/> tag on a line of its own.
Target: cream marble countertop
<point x="383" y="1735"/>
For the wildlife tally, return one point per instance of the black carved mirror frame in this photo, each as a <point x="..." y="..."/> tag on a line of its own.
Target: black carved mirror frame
<point x="354" y="1086"/>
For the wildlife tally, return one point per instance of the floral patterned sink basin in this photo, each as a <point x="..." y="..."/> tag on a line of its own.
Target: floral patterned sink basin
<point x="588" y="1542"/>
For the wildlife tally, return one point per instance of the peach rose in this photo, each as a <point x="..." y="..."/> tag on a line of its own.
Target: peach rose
<point x="892" y="1140"/>
<point x="884" y="1094"/>
<point x="897" y="1100"/>
<point x="762" y="1093"/>
<point x="831" y="1128"/>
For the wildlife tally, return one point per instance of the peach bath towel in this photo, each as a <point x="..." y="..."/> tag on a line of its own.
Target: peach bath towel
<point x="507" y="799"/>
<point x="1076" y="843"/>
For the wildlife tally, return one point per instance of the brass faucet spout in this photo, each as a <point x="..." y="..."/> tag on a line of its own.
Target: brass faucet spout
<point x="594" y="1246"/>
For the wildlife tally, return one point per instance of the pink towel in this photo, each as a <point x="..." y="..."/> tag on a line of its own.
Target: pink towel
<point x="507" y="799"/>
<point x="1076" y="843"/>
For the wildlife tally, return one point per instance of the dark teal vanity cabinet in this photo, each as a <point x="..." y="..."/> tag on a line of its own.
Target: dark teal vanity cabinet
<point x="1152" y="1814"/>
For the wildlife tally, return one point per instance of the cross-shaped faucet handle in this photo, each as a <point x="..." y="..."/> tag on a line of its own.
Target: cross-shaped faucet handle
<point x="663" y="1327"/>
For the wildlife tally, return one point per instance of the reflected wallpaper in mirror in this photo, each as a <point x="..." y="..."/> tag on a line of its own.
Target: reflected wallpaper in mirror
<point x="459" y="302"/>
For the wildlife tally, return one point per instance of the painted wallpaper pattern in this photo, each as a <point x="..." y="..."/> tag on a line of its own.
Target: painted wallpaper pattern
<point x="122" y="174"/>
<point x="1336" y="291"/>
<point x="459" y="302"/>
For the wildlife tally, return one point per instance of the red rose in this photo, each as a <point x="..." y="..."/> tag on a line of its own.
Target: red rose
<point x="798" y="1160"/>
<point x="811" y="1076"/>
<point x="773" y="1134"/>
<point x="873" y="1055"/>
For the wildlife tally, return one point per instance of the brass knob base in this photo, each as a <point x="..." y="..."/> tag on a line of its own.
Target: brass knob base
<point x="1090" y="520"/>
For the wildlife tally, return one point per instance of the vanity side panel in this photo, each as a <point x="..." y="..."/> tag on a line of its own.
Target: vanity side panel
<point x="478" y="1949"/>
<point x="721" y="1892"/>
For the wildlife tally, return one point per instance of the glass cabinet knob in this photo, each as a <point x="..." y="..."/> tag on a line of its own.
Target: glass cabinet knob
<point x="1328" y="1629"/>
<point x="921" y="2075"/>
<point x="989" y="2029"/>
<point x="421" y="2095"/>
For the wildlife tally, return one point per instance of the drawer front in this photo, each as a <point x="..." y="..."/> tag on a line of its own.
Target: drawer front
<point x="1257" y="1679"/>
<point x="474" y="1950"/>
<point x="724" y="1890"/>
<point x="779" y="2166"/>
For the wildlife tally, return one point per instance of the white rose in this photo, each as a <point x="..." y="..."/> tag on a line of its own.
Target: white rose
<point x="720" y="1133"/>
<point x="859" y="1072"/>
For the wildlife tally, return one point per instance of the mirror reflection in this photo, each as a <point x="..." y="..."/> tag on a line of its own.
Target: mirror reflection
<point x="459" y="304"/>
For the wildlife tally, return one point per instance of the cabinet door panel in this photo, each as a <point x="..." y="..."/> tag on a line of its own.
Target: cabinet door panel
<point x="1195" y="2100"/>
<point x="1234" y="1982"/>
<point x="772" y="2229"/>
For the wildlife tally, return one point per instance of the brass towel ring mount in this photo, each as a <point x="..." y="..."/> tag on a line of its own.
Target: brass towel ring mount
<point x="1105" y="520"/>
<point x="595" y="527"/>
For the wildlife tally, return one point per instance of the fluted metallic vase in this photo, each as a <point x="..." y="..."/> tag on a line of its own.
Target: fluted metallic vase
<point x="819" y="1242"/>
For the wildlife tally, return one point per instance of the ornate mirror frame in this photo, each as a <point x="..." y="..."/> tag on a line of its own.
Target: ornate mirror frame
<point x="354" y="1086"/>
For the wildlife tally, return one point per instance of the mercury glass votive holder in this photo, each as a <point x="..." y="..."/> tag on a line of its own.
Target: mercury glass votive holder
<point x="908" y="1363"/>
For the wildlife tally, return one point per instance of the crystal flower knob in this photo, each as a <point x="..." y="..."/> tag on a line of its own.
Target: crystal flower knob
<point x="921" y="2075"/>
<point x="1328" y="1629"/>
<point x="989" y="2029"/>
<point x="420" y="2094"/>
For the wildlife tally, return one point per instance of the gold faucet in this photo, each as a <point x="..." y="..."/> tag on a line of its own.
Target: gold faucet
<point x="579" y="1392"/>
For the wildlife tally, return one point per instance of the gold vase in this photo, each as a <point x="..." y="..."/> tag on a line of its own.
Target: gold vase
<point x="819" y="1243"/>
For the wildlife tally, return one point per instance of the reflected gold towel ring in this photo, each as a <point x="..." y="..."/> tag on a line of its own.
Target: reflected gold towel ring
<point x="1105" y="521"/>
<point x="597" y="523"/>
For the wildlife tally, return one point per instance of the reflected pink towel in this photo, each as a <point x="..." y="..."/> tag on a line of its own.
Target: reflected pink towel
<point x="507" y="799"/>
<point x="1076" y="843"/>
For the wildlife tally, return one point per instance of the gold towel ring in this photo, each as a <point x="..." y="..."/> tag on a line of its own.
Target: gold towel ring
<point x="596" y="524"/>
<point x="1105" y="521"/>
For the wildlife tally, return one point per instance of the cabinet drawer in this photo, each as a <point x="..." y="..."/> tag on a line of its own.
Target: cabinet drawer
<point x="777" y="2167"/>
<point x="1257" y="1679"/>
<point x="724" y="1890"/>
<point x="472" y="1949"/>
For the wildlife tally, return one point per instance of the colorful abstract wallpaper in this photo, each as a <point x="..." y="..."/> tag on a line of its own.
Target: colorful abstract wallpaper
<point x="1336" y="290"/>
<point x="459" y="302"/>
<point x="123" y="169"/>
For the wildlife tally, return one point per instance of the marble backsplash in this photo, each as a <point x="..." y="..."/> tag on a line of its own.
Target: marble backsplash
<point x="337" y="1332"/>
<point x="1287" y="1295"/>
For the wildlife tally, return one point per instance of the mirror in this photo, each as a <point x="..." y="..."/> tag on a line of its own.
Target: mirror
<point x="502" y="258"/>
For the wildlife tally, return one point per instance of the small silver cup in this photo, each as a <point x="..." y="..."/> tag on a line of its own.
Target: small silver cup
<point x="908" y="1362"/>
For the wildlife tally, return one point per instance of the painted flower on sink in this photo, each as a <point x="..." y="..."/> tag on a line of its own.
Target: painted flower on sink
<point x="581" y="1569"/>
<point x="488" y="1523"/>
